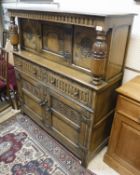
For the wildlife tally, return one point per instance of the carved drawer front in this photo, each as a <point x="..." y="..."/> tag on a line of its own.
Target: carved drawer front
<point x="68" y="124"/>
<point x="68" y="87"/>
<point x="28" y="67"/>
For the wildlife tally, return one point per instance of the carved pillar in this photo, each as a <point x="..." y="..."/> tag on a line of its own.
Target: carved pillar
<point x="99" y="50"/>
<point x="14" y="37"/>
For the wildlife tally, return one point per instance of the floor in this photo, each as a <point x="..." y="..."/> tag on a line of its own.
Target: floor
<point x="96" y="165"/>
<point x="99" y="167"/>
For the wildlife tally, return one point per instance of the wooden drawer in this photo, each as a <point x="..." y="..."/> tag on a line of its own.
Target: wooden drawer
<point x="28" y="68"/>
<point x="129" y="108"/>
<point x="70" y="88"/>
<point x="61" y="84"/>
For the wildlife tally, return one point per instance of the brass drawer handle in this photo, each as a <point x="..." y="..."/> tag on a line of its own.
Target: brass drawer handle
<point x="76" y="93"/>
<point x="43" y="102"/>
<point x="48" y="109"/>
<point x="52" y="81"/>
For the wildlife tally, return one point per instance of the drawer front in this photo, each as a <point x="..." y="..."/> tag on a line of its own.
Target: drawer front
<point x="29" y="68"/>
<point x="129" y="108"/>
<point x="70" y="126"/>
<point x="60" y="84"/>
<point x="69" y="88"/>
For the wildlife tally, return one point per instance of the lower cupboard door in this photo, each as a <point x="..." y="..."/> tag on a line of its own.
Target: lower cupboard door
<point x="33" y="107"/>
<point x="68" y="125"/>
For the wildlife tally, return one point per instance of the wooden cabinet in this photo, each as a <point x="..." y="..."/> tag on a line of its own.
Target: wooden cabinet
<point x="123" y="152"/>
<point x="67" y="68"/>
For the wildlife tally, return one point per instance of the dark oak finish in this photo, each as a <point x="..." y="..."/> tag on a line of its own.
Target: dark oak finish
<point x="63" y="78"/>
<point x="123" y="152"/>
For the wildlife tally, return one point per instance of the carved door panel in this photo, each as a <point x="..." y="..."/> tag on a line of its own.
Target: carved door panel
<point x="31" y="36"/>
<point x="69" y="123"/>
<point x="33" y="94"/>
<point x="57" y="41"/>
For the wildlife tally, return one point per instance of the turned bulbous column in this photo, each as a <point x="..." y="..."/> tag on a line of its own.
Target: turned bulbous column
<point x="14" y="37"/>
<point x="99" y="52"/>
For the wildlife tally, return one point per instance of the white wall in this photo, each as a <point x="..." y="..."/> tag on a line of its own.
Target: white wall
<point x="108" y="6"/>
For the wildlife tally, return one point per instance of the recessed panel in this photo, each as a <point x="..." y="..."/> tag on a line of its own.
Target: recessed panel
<point x="83" y="41"/>
<point x="31" y="34"/>
<point x="128" y="145"/>
<point x="57" y="39"/>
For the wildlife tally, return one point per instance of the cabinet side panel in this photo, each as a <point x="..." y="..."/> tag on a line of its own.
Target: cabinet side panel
<point x="117" y="51"/>
<point x="105" y="102"/>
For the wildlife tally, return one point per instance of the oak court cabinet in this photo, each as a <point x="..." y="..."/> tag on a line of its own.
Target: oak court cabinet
<point x="67" y="68"/>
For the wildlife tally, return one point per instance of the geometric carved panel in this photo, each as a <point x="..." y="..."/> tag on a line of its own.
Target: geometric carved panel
<point x="67" y="111"/>
<point x="83" y="41"/>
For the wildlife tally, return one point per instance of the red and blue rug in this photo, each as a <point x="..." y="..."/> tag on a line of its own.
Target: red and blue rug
<point x="26" y="149"/>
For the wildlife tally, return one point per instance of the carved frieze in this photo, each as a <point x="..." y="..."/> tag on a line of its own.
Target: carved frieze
<point x="77" y="19"/>
<point x="70" y="88"/>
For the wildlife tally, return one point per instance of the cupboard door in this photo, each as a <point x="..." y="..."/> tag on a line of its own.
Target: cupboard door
<point x="33" y="94"/>
<point x="124" y="143"/>
<point x="69" y="123"/>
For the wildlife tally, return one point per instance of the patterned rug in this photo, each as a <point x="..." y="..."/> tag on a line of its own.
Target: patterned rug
<point x="25" y="149"/>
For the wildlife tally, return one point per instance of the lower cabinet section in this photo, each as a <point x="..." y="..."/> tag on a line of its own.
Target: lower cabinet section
<point x="81" y="129"/>
<point x="67" y="122"/>
<point x="70" y="123"/>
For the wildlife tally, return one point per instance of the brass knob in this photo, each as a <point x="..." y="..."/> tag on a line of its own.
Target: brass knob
<point x="48" y="109"/>
<point x="42" y="103"/>
<point x="52" y="81"/>
<point x="76" y="93"/>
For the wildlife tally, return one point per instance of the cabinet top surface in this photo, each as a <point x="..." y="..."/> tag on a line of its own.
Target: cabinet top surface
<point x="131" y="89"/>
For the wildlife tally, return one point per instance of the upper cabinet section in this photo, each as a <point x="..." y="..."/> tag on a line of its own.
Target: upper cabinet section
<point x="92" y="43"/>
